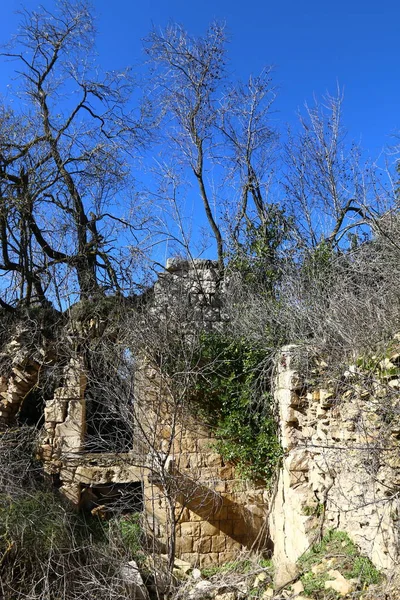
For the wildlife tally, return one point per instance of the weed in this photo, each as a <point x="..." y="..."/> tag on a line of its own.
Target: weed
<point x="348" y="561"/>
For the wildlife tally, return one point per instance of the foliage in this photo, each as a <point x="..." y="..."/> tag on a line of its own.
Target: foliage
<point x="256" y="255"/>
<point x="32" y="525"/>
<point x="129" y="530"/>
<point x="47" y="547"/>
<point x="232" y="391"/>
<point x="336" y="545"/>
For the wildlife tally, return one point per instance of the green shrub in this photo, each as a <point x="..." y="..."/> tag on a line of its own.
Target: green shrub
<point x="131" y="533"/>
<point x="33" y="524"/>
<point x="232" y="391"/>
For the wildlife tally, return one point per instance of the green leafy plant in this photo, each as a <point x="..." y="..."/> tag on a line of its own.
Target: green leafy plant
<point x="131" y="533"/>
<point x="232" y="391"/>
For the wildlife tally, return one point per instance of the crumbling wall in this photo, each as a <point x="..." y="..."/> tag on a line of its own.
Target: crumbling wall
<point x="195" y="288"/>
<point x="217" y="513"/>
<point x="337" y="472"/>
<point x="25" y="364"/>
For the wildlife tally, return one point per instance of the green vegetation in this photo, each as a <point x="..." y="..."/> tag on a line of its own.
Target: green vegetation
<point x="32" y="525"/>
<point x="233" y="393"/>
<point x="335" y="551"/>
<point x="315" y="510"/>
<point x="39" y="530"/>
<point x="130" y="533"/>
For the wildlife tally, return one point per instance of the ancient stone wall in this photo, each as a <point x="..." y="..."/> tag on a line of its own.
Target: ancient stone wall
<point x="338" y="471"/>
<point x="217" y="514"/>
<point x="172" y="454"/>
<point x="25" y="366"/>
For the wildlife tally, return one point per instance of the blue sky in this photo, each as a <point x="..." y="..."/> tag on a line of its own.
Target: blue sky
<point x="312" y="45"/>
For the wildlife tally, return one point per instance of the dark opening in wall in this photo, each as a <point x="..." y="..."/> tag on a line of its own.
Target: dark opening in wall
<point x="107" y="430"/>
<point x="31" y="411"/>
<point x="106" y="499"/>
<point x="108" y="394"/>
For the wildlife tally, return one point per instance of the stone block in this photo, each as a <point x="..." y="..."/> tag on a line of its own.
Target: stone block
<point x="184" y="544"/>
<point x="227" y="556"/>
<point x="191" y="529"/>
<point x="194" y="517"/>
<point x="206" y="560"/>
<point x="186" y="444"/>
<point x="213" y="460"/>
<point x="72" y="492"/>
<point x="241" y="528"/>
<point x="232" y="545"/>
<point x="70" y="436"/>
<point x="220" y="486"/>
<point x="204" y="444"/>
<point x="227" y="472"/>
<point x="55" y="411"/>
<point x="46" y="451"/>
<point x="76" y="411"/>
<point x="67" y="474"/>
<point x="202" y="545"/>
<point x="209" y="528"/>
<point x="218" y="543"/>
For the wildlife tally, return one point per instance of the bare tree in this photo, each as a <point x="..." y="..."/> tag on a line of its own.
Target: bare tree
<point x="64" y="155"/>
<point x="187" y="73"/>
<point x="326" y="184"/>
<point x="220" y="131"/>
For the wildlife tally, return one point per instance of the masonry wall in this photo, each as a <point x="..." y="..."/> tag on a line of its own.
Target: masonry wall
<point x="341" y="469"/>
<point x="218" y="514"/>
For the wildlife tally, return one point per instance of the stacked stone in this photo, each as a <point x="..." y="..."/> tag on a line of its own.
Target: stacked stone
<point x="190" y="287"/>
<point x="23" y="377"/>
<point x="65" y="416"/>
<point x="329" y="477"/>
<point x="218" y="514"/>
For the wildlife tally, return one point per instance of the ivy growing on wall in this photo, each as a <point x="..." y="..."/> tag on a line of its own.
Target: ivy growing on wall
<point x="233" y="393"/>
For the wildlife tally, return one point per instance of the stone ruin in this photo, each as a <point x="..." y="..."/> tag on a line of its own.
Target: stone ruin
<point x="341" y="468"/>
<point x="329" y="478"/>
<point x="216" y="514"/>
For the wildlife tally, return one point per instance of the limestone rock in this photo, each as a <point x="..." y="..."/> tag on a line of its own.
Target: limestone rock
<point x="297" y="588"/>
<point x="196" y="574"/>
<point x="203" y="589"/>
<point x="133" y="581"/>
<point x="259" y="579"/>
<point x="340" y="584"/>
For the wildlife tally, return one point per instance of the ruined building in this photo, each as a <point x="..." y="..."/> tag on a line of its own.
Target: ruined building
<point x="167" y="466"/>
<point x="331" y="476"/>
